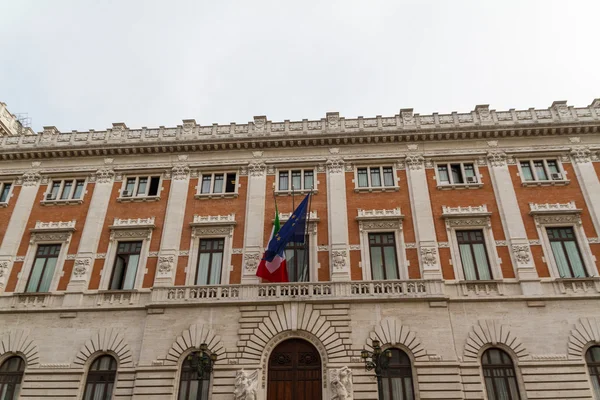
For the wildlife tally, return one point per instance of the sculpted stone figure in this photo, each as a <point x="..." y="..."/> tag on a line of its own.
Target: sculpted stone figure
<point x="245" y="385"/>
<point x="341" y="384"/>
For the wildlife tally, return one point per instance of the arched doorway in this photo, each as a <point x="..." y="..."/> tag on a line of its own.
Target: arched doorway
<point x="294" y="371"/>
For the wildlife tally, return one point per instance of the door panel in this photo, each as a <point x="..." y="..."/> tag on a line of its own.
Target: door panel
<point x="294" y="372"/>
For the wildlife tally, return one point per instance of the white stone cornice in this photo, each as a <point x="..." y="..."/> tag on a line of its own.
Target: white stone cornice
<point x="203" y="220"/>
<point x="394" y="213"/>
<point x="468" y="211"/>
<point x="553" y="208"/>
<point x="132" y="223"/>
<point x="54" y="226"/>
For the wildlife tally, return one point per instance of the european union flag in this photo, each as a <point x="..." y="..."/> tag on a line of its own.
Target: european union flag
<point x="293" y="230"/>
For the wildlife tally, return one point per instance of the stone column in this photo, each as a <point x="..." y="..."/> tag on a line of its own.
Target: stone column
<point x="423" y="217"/>
<point x="92" y="230"/>
<point x="512" y="220"/>
<point x="337" y="211"/>
<point x="255" y="221"/>
<point x="30" y="183"/>
<point x="588" y="181"/>
<point x="173" y="226"/>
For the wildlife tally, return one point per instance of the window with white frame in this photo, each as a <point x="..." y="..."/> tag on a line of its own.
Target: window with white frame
<point x="541" y="170"/>
<point x="218" y="183"/>
<point x="458" y="173"/>
<point x="141" y="186"/>
<point x="44" y="265"/>
<point x="375" y="177"/>
<point x="295" y="179"/>
<point x="65" y="190"/>
<point x="565" y="250"/>
<point x="126" y="265"/>
<point x="473" y="255"/>
<point x="210" y="261"/>
<point x="384" y="261"/>
<point x="5" y="188"/>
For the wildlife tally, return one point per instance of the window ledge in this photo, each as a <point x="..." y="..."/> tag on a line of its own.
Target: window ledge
<point x="203" y="196"/>
<point x="289" y="192"/>
<point x="4" y="204"/>
<point x="460" y="186"/>
<point x="61" y="202"/>
<point x="138" y="199"/>
<point x="377" y="189"/>
<point x="562" y="182"/>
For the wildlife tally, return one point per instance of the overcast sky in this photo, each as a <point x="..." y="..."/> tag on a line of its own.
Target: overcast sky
<point x="80" y="64"/>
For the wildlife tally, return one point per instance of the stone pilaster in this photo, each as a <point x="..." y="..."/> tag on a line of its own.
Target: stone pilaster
<point x="30" y="183"/>
<point x="173" y="226"/>
<point x="338" y="220"/>
<point x="514" y="228"/>
<point x="255" y="220"/>
<point x="423" y="217"/>
<point x="588" y="181"/>
<point x="92" y="230"/>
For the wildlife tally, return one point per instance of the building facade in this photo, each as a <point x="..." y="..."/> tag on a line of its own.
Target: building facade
<point x="466" y="244"/>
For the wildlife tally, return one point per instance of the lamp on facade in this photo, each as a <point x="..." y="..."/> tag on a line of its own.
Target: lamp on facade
<point x="377" y="360"/>
<point x="202" y="361"/>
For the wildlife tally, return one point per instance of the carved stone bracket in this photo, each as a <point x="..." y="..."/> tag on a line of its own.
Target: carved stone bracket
<point x="339" y="258"/>
<point x="414" y="161"/>
<point x="581" y="154"/>
<point x="29" y="179"/>
<point x="81" y="268"/>
<point x="429" y="256"/>
<point x="497" y="158"/>
<point x="335" y="165"/>
<point x="104" y="175"/>
<point x="522" y="254"/>
<point x="251" y="261"/>
<point x="257" y="169"/>
<point x="165" y="265"/>
<point x="180" y="172"/>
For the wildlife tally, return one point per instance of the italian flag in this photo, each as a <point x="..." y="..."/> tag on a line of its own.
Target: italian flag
<point x="276" y="270"/>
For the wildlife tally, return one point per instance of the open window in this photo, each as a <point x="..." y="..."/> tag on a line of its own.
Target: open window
<point x="141" y="187"/>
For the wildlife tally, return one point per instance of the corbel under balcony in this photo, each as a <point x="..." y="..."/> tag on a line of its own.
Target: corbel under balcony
<point x="553" y="208"/>
<point x="60" y="226"/>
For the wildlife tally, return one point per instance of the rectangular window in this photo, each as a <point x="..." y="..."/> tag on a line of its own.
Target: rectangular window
<point x="382" y="249"/>
<point x="210" y="262"/>
<point x="44" y="265"/>
<point x="541" y="170"/>
<point x="68" y="189"/>
<point x="566" y="252"/>
<point x="456" y="174"/>
<point x="4" y="192"/>
<point x="297" y="180"/>
<point x="126" y="266"/>
<point x="141" y="186"/>
<point x="473" y="255"/>
<point x="296" y="261"/>
<point x="375" y="177"/>
<point x="217" y="183"/>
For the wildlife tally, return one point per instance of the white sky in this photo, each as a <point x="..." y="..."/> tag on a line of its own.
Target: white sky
<point x="84" y="64"/>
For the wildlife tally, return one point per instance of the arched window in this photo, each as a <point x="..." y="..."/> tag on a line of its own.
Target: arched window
<point x="396" y="379"/>
<point x="592" y="357"/>
<point x="11" y="374"/>
<point x="101" y="379"/>
<point x="192" y="387"/>
<point x="499" y="374"/>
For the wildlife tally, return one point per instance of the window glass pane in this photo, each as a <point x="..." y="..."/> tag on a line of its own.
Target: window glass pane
<point x="526" y="171"/>
<point x="469" y="170"/>
<point x="154" y="186"/>
<point x="203" y="267"/>
<point x="391" y="269"/>
<point x="561" y="260"/>
<point x="130" y="186"/>
<point x="230" y="183"/>
<point x="552" y="166"/>
<point x="36" y="273"/>
<point x="481" y="261"/>
<point x="117" y="275"/>
<point x="142" y="184"/>
<point x="5" y="191"/>
<point x="375" y="177"/>
<point x="78" y="189"/>
<point x="467" y="261"/>
<point x="48" y="274"/>
<point x="456" y="173"/>
<point x="362" y="177"/>
<point x="296" y="180"/>
<point x="308" y="179"/>
<point x="388" y="176"/>
<point x="443" y="174"/>
<point x="132" y="266"/>
<point x="377" y="263"/>
<point x="575" y="259"/>
<point x="215" y="269"/>
<point x="540" y="170"/>
<point x="290" y="261"/>
<point x="66" y="190"/>
<point x="55" y="189"/>
<point x="302" y="264"/>
<point x="283" y="180"/>
<point x="206" y="181"/>
<point x="218" y="188"/>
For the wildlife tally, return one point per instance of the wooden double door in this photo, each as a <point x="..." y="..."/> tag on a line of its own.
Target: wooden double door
<point x="294" y="372"/>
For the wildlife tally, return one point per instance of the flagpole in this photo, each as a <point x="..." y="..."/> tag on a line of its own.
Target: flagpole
<point x="306" y="230"/>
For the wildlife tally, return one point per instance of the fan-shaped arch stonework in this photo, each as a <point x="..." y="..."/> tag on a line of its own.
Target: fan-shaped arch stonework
<point x="391" y="331"/>
<point x="297" y="318"/>
<point x="492" y="332"/>
<point x="106" y="340"/>
<point x="192" y="338"/>
<point x="18" y="341"/>
<point x="586" y="331"/>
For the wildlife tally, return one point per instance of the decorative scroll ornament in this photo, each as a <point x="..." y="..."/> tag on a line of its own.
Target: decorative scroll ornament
<point x="341" y="384"/>
<point x="246" y="385"/>
<point x="335" y="165"/>
<point x="497" y="158"/>
<point x="339" y="259"/>
<point x="105" y="175"/>
<point x="581" y="154"/>
<point x="521" y="253"/>
<point x="165" y="264"/>
<point x="257" y="169"/>
<point x="251" y="261"/>
<point x="428" y="255"/>
<point x="30" y="178"/>
<point x="414" y="161"/>
<point x="180" y="172"/>
<point x="81" y="267"/>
